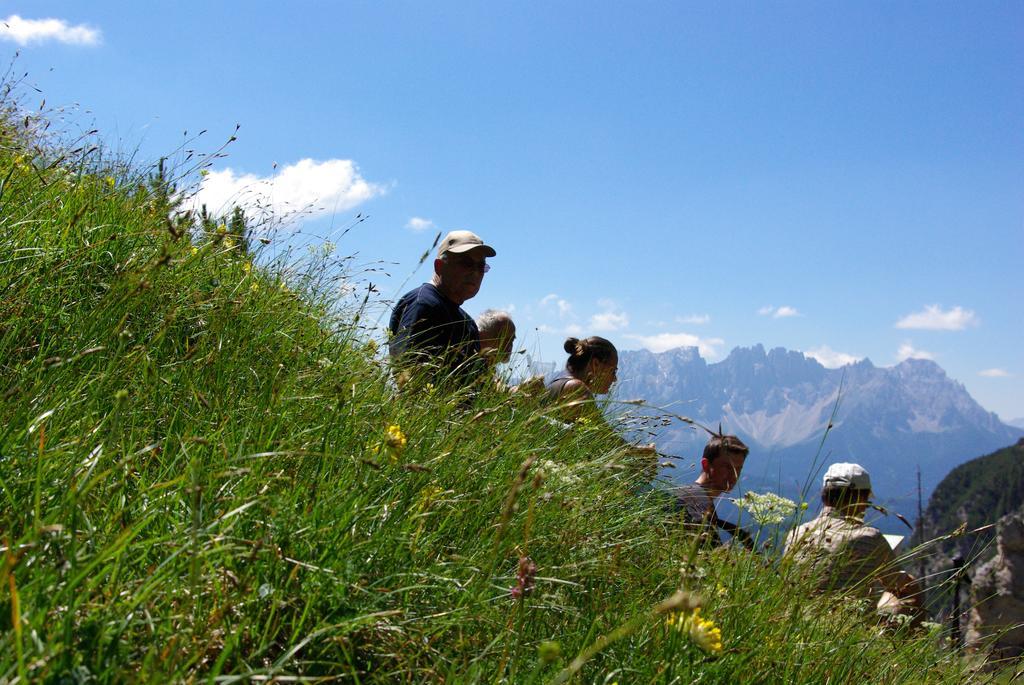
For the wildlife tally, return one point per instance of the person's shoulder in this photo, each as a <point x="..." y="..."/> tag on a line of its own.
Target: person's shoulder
<point x="425" y="298"/>
<point x="867" y="535"/>
<point x="863" y="530"/>
<point x="575" y="387"/>
<point x="424" y="293"/>
<point x="689" y="490"/>
<point x="693" y="501"/>
<point x="869" y="543"/>
<point x="862" y="539"/>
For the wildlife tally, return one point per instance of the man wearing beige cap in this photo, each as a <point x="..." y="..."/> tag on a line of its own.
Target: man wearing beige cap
<point x="843" y="553"/>
<point x="429" y="329"/>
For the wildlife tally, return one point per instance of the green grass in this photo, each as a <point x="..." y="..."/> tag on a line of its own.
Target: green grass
<point x="197" y="487"/>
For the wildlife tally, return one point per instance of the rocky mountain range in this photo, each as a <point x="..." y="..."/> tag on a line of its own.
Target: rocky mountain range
<point x="893" y="420"/>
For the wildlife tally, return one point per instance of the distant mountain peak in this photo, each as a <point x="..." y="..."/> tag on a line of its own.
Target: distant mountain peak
<point x="921" y="365"/>
<point x="888" y="418"/>
<point x="753" y="352"/>
<point x="687" y="352"/>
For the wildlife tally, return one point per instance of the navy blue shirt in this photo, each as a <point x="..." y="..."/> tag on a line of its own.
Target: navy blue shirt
<point x="428" y="325"/>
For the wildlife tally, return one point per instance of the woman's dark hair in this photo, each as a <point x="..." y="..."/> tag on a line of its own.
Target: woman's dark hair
<point x="582" y="351"/>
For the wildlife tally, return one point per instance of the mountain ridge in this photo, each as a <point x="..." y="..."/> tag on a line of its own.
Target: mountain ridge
<point x="783" y="403"/>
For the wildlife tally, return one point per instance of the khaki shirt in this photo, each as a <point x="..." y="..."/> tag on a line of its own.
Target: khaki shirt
<point x="843" y="553"/>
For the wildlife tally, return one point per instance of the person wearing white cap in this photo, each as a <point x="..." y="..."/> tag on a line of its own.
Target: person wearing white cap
<point x="844" y="554"/>
<point x="428" y="326"/>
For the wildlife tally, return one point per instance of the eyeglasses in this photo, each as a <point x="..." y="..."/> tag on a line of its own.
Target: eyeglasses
<point x="473" y="265"/>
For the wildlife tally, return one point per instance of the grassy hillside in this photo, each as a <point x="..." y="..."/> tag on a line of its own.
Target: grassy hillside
<point x="207" y="474"/>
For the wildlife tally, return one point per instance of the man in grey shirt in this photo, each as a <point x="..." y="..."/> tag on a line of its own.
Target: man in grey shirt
<point x="721" y="466"/>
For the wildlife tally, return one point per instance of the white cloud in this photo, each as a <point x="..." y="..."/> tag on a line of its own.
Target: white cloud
<point x="695" y="319"/>
<point x="995" y="373"/>
<point x="28" y="31"/>
<point x="907" y="351"/>
<point x="573" y="329"/>
<point x="778" y="312"/>
<point x="563" y="306"/>
<point x="933" y="318"/>
<point x="709" y="348"/>
<point x="831" y="359"/>
<point x="419" y="224"/>
<point x="609" y="321"/>
<point x="307" y="188"/>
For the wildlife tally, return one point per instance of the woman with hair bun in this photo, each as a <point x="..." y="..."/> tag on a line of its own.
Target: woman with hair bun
<point x="591" y="370"/>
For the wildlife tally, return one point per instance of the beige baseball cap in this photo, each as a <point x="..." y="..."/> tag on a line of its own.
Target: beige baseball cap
<point x="845" y="475"/>
<point x="463" y="241"/>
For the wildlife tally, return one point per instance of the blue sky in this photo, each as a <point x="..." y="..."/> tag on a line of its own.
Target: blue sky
<point x="841" y="179"/>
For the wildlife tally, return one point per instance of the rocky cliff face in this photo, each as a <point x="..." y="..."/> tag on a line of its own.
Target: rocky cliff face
<point x="996" y="623"/>
<point x="890" y="419"/>
<point x="974" y="495"/>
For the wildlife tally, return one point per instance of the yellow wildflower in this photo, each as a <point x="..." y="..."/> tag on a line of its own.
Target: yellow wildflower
<point x="395" y="439"/>
<point x="393" y="444"/>
<point x="254" y="287"/>
<point x="229" y="243"/>
<point x="702" y="631"/>
<point x="222" y="229"/>
<point x="247" y="267"/>
<point x="195" y="250"/>
<point x="428" y="496"/>
<point x="109" y="180"/>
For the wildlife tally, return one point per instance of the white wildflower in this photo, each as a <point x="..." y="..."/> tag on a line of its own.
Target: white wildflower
<point x="559" y="472"/>
<point x="766" y="509"/>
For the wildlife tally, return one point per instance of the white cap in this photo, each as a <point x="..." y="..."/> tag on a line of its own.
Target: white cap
<point x="844" y="475"/>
